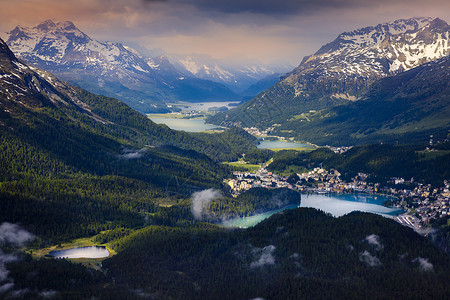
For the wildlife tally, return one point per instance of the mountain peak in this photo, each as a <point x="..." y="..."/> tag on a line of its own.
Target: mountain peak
<point x="49" y="25"/>
<point x="46" y="25"/>
<point x="373" y="35"/>
<point x="438" y="24"/>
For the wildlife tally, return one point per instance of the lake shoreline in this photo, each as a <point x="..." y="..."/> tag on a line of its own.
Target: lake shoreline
<point x="352" y="205"/>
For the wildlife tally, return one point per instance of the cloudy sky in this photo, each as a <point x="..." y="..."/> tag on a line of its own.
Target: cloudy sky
<point x="265" y="30"/>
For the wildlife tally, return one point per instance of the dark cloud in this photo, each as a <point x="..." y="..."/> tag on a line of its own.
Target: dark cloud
<point x="267" y="7"/>
<point x="263" y="29"/>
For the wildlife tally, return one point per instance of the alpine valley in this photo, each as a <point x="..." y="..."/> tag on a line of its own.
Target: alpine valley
<point x="358" y="78"/>
<point x="145" y="83"/>
<point x="80" y="169"/>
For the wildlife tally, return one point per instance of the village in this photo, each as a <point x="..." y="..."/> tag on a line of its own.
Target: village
<point x="421" y="203"/>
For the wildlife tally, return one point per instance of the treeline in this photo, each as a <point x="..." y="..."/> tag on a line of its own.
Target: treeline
<point x="381" y="160"/>
<point x="258" y="156"/>
<point x="61" y="210"/>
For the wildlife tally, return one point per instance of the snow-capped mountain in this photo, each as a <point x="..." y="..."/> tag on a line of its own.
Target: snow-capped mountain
<point x="405" y="108"/>
<point x="344" y="69"/>
<point x="236" y="76"/>
<point x="108" y="68"/>
<point x="24" y="87"/>
<point x="62" y="45"/>
<point x="383" y="49"/>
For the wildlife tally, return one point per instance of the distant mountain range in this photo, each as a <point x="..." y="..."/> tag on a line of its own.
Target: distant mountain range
<point x="343" y="72"/>
<point x="237" y="76"/>
<point x="116" y="70"/>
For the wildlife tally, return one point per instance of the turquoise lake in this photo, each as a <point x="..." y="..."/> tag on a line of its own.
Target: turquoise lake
<point x="337" y="205"/>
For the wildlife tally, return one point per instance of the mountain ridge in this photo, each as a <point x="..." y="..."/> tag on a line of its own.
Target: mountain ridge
<point x="237" y="76"/>
<point x="28" y="90"/>
<point x="343" y="70"/>
<point x="406" y="108"/>
<point x="147" y="83"/>
<point x="109" y="68"/>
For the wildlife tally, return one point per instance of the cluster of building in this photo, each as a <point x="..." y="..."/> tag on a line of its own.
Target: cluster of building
<point x="264" y="132"/>
<point x="424" y="201"/>
<point x="319" y="181"/>
<point x="421" y="203"/>
<point x="340" y="150"/>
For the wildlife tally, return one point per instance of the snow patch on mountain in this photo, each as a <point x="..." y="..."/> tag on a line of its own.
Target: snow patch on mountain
<point x="381" y="50"/>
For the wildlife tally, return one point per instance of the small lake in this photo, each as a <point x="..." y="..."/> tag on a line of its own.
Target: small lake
<point x="81" y="252"/>
<point x="281" y="145"/>
<point x="337" y="205"/>
<point x="189" y="125"/>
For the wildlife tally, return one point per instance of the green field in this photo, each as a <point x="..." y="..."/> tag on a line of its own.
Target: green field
<point x="250" y="167"/>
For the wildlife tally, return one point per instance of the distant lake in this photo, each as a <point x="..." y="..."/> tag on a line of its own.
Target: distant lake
<point x="81" y="252"/>
<point x="280" y="145"/>
<point x="337" y="205"/>
<point x="189" y="125"/>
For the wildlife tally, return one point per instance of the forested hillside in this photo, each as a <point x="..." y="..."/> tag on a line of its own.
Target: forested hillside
<point x="74" y="163"/>
<point x="301" y="253"/>
<point x="406" y="108"/>
<point x="382" y="161"/>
